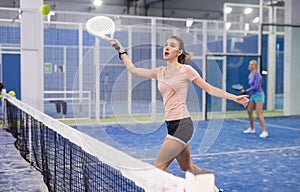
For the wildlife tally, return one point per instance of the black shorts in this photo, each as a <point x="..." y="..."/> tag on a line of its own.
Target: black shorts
<point x="181" y="130"/>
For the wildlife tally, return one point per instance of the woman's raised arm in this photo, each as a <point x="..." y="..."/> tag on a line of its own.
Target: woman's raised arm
<point x="141" y="72"/>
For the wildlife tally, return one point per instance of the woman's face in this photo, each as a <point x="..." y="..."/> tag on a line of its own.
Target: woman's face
<point x="171" y="49"/>
<point x="252" y="66"/>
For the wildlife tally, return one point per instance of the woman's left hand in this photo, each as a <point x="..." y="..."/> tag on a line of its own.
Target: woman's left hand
<point x="242" y="99"/>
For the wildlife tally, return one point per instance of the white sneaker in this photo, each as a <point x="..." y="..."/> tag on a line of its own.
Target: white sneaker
<point x="218" y="190"/>
<point x="249" y="130"/>
<point x="264" y="134"/>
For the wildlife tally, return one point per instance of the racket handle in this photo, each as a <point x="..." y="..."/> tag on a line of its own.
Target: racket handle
<point x="116" y="47"/>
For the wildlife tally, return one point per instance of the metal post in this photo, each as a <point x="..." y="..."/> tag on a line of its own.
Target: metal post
<point x="224" y="66"/>
<point x="3" y="109"/>
<point x="271" y="65"/>
<point x="204" y="104"/>
<point x="129" y="79"/>
<point x="97" y="79"/>
<point x="65" y="71"/>
<point x="80" y="65"/>
<point x="153" y="65"/>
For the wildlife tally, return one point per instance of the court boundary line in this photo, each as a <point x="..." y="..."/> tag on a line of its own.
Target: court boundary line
<point x="247" y="151"/>
<point x="199" y="156"/>
<point x="271" y="125"/>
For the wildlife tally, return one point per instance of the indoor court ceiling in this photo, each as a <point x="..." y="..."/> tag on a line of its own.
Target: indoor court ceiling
<point x="201" y="9"/>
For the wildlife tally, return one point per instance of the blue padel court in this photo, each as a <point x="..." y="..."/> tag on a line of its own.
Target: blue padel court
<point x="241" y="162"/>
<point x="16" y="174"/>
<point x="86" y="87"/>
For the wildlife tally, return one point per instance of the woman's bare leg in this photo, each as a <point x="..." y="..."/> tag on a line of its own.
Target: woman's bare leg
<point x="250" y="114"/>
<point x="259" y="109"/>
<point x="168" y="152"/>
<point x="185" y="161"/>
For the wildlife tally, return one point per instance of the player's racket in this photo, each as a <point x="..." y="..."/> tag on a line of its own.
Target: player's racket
<point x="101" y="26"/>
<point x="237" y="87"/>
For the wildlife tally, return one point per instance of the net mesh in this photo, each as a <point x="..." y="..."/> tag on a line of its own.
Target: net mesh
<point x="72" y="161"/>
<point x="65" y="165"/>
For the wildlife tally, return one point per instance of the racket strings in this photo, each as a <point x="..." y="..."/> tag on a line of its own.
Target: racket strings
<point x="102" y="26"/>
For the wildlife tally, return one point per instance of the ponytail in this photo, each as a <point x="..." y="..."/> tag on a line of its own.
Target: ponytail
<point x="185" y="57"/>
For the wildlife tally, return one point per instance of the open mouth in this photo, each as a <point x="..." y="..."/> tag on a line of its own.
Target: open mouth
<point x="166" y="54"/>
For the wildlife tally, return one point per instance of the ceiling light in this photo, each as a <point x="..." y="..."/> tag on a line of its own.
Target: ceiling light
<point x="189" y="22"/>
<point x="227" y="10"/>
<point x="227" y="25"/>
<point x="247" y="27"/>
<point x="97" y="3"/>
<point x="256" y="20"/>
<point x="247" y="11"/>
<point x="20" y="14"/>
<point x="268" y="3"/>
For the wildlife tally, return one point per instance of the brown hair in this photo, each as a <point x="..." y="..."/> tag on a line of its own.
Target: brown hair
<point x="185" y="57"/>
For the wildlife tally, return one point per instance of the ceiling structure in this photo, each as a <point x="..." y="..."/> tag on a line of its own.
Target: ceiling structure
<point x="199" y="9"/>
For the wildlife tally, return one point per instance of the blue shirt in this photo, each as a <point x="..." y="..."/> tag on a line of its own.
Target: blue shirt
<point x="255" y="82"/>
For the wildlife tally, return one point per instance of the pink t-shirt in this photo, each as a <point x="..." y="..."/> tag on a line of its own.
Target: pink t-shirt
<point x="174" y="90"/>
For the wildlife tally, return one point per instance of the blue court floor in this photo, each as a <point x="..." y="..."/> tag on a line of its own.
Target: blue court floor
<point x="242" y="162"/>
<point x="16" y="175"/>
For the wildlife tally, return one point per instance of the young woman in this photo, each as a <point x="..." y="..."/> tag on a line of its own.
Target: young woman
<point x="173" y="81"/>
<point x="257" y="99"/>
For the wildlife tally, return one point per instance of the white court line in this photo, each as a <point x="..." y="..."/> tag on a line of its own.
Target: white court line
<point x="246" y="151"/>
<point x="197" y="157"/>
<point x="271" y="125"/>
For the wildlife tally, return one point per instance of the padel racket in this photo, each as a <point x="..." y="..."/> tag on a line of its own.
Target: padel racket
<point x="237" y="87"/>
<point x="102" y="26"/>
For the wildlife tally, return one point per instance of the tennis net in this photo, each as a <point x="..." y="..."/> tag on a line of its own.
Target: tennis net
<point x="70" y="160"/>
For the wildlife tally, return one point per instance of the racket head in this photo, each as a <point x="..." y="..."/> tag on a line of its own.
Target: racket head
<point x="100" y="26"/>
<point x="237" y="87"/>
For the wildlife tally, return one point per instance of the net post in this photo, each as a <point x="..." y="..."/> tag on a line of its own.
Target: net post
<point x="3" y="92"/>
<point x="30" y="142"/>
<point x="203" y="180"/>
